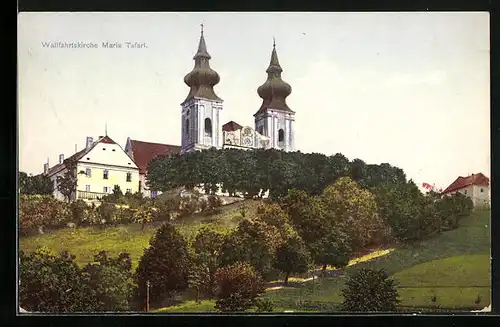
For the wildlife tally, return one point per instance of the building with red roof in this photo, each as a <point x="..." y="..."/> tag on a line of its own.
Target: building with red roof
<point x="475" y="186"/>
<point x="142" y="153"/>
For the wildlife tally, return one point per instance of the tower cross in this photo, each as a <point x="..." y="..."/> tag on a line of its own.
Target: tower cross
<point x="201" y="25"/>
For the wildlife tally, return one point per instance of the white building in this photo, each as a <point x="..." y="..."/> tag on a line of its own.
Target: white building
<point x="99" y="167"/>
<point x="475" y="186"/>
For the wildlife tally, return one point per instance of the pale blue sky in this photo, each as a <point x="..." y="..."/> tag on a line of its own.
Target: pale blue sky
<point x="410" y="89"/>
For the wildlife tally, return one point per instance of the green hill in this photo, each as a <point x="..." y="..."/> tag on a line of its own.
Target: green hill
<point x="85" y="242"/>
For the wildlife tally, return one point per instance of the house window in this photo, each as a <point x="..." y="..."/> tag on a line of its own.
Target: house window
<point x="105" y="174"/>
<point x="103" y="149"/>
<point x="129" y="177"/>
<point x="154" y="194"/>
<point x="465" y="192"/>
<point x="186" y="128"/>
<point x="105" y="189"/>
<point x="482" y="190"/>
<point x="87" y="188"/>
<point x="208" y="127"/>
<point x="281" y="135"/>
<point x="140" y="186"/>
<point x="88" y="172"/>
<point x="129" y="190"/>
<point x="113" y="150"/>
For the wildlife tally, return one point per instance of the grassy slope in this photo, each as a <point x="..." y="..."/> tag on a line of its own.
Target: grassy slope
<point x="418" y="282"/>
<point x="472" y="238"/>
<point x="85" y="242"/>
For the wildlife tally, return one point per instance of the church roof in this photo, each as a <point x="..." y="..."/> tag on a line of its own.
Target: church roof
<point x="80" y="154"/>
<point x="461" y="182"/>
<point x="231" y="126"/>
<point x="202" y="78"/>
<point x="274" y="91"/>
<point x="144" y="152"/>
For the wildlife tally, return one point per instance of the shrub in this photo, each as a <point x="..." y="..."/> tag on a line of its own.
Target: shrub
<point x="37" y="211"/>
<point x="264" y="305"/>
<point x="109" y="280"/>
<point x="51" y="284"/>
<point x="107" y="213"/>
<point x="165" y="264"/>
<point x="238" y="287"/>
<point x="370" y="290"/>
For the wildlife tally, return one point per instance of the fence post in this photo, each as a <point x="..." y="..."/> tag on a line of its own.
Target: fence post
<point x="147" y="296"/>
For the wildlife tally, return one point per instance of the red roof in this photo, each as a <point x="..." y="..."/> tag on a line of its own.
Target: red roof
<point x="231" y="126"/>
<point x="144" y="152"/>
<point x="80" y="154"/>
<point x="461" y="182"/>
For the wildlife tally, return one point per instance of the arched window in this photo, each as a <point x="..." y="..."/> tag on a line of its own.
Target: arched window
<point x="281" y="135"/>
<point x="186" y="127"/>
<point x="208" y="127"/>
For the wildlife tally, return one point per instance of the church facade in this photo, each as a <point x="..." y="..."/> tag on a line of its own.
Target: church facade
<point x="201" y="109"/>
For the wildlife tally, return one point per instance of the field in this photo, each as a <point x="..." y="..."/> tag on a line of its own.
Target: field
<point x="85" y="242"/>
<point x="450" y="272"/>
<point x="454" y="267"/>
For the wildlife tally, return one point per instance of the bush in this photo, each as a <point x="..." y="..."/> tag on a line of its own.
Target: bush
<point x="109" y="280"/>
<point x="238" y="287"/>
<point x="165" y="264"/>
<point x="51" y="284"/>
<point x="39" y="211"/>
<point x="370" y="290"/>
<point x="264" y="305"/>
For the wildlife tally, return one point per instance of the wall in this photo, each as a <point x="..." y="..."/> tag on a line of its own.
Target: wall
<point x="475" y="194"/>
<point x="116" y="176"/>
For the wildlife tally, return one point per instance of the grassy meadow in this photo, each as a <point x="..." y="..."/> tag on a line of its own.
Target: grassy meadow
<point x="451" y="271"/>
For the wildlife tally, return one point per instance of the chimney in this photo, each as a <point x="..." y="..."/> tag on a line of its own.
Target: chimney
<point x="45" y="168"/>
<point x="90" y="140"/>
<point x="61" y="158"/>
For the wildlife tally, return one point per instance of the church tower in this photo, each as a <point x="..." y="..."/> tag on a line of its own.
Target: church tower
<point x="275" y="119"/>
<point x="201" y="108"/>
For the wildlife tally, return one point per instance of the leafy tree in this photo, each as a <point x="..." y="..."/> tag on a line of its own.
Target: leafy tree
<point x="107" y="213"/>
<point x="109" y="280"/>
<point x="254" y="242"/>
<point x="292" y="257"/>
<point x="50" y="283"/>
<point x="355" y="211"/>
<point x="143" y="216"/>
<point x="370" y="290"/>
<point x="67" y="183"/>
<point x="238" y="287"/>
<point x="39" y="211"/>
<point x="38" y="184"/>
<point x="332" y="249"/>
<point x="165" y="264"/>
<point x="208" y="250"/>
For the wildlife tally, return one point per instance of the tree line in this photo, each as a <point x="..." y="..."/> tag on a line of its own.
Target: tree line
<point x="253" y="173"/>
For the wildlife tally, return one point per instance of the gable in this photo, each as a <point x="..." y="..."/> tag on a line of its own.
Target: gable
<point x="108" y="153"/>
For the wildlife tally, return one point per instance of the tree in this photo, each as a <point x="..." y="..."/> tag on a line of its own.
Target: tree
<point x="370" y="290"/>
<point x="165" y="264"/>
<point x="354" y="210"/>
<point x="109" y="280"/>
<point x="238" y="287"/>
<point x="38" y="184"/>
<point x="143" y="215"/>
<point x="254" y="242"/>
<point x="50" y="283"/>
<point x="67" y="183"/>
<point x="332" y="249"/>
<point x="292" y="257"/>
<point x="207" y="247"/>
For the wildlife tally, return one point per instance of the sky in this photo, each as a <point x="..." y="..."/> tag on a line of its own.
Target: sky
<point x="409" y="89"/>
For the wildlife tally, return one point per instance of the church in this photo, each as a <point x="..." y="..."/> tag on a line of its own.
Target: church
<point x="201" y="129"/>
<point x="201" y="126"/>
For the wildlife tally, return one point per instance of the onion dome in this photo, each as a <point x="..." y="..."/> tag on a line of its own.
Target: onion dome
<point x="202" y="78"/>
<point x="274" y="91"/>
